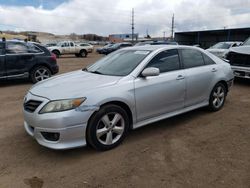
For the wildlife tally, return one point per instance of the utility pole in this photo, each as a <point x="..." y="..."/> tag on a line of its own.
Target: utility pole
<point x="133" y="25"/>
<point x="164" y="32"/>
<point x="172" y="28"/>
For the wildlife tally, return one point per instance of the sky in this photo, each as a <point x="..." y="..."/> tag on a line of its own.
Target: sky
<point x="114" y="16"/>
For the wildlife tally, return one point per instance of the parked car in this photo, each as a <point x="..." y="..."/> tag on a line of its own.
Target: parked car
<point x="125" y="90"/>
<point x="101" y="50"/>
<point x="239" y="58"/>
<point x="115" y="47"/>
<point x="87" y="46"/>
<point x="156" y="43"/>
<point x="69" y="47"/>
<point x="222" y="48"/>
<point x="26" y="60"/>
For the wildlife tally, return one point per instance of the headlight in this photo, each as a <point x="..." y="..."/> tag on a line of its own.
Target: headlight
<point x="62" y="105"/>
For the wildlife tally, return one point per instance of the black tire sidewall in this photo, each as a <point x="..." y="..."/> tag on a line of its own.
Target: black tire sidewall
<point x="93" y="123"/>
<point x="211" y="105"/>
<point x="83" y="53"/>
<point x="32" y="73"/>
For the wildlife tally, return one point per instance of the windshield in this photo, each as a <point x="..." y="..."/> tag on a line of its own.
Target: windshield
<point x="119" y="63"/>
<point x="247" y="42"/>
<point x="221" y="45"/>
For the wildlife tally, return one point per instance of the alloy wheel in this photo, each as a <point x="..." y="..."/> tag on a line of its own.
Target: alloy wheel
<point x="41" y="74"/>
<point x="110" y="128"/>
<point x="218" y="97"/>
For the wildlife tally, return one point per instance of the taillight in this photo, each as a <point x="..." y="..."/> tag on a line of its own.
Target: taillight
<point x="53" y="56"/>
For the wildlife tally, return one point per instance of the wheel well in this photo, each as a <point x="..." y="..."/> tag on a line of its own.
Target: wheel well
<point x="56" y="51"/>
<point x="83" y="50"/>
<point x="126" y="108"/>
<point x="224" y="83"/>
<point x="35" y="66"/>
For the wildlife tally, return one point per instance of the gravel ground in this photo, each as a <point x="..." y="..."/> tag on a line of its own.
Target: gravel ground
<point x="196" y="149"/>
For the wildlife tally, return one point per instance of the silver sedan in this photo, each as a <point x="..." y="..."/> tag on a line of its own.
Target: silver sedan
<point x="125" y="90"/>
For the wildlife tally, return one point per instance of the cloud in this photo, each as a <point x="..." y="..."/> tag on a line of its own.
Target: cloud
<point x="106" y="17"/>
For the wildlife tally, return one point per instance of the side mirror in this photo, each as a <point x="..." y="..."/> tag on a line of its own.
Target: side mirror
<point x="150" y="71"/>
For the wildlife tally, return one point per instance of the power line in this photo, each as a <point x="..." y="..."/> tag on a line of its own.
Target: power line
<point x="133" y="25"/>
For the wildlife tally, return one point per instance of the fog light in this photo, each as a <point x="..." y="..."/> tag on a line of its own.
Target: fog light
<point x="51" y="136"/>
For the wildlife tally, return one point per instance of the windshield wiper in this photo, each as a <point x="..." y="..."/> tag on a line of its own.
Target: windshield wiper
<point x="96" y="72"/>
<point x="85" y="69"/>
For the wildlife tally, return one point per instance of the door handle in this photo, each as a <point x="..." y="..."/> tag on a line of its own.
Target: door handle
<point x="214" y="70"/>
<point x="180" y="77"/>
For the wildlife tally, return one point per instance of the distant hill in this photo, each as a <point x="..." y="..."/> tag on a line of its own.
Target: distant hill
<point x="45" y="37"/>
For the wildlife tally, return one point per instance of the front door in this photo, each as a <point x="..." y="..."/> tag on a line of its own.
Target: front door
<point x="161" y="94"/>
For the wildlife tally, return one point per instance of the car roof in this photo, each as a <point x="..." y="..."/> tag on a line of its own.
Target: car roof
<point x="159" y="47"/>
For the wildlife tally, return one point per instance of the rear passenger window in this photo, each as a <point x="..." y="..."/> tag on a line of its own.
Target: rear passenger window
<point x="166" y="61"/>
<point x="208" y="60"/>
<point x="192" y="58"/>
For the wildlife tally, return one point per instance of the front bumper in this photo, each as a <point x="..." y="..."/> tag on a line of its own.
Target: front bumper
<point x="241" y="72"/>
<point x="70" y="126"/>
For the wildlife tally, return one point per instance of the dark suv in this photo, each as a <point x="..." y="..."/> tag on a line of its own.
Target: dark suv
<point x="26" y="60"/>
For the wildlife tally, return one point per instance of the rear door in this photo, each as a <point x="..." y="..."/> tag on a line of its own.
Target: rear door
<point x="199" y="71"/>
<point x="2" y="60"/>
<point x="161" y="94"/>
<point x="66" y="48"/>
<point x="18" y="59"/>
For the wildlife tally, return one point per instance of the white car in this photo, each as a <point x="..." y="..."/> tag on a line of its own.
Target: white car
<point x="87" y="46"/>
<point x="127" y="89"/>
<point x="222" y="48"/>
<point x="68" y="47"/>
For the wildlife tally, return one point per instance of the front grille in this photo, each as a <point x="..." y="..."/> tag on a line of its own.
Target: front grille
<point x="31" y="105"/>
<point x="237" y="59"/>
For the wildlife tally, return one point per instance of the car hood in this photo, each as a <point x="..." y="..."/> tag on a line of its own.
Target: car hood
<point x="72" y="85"/>
<point x="241" y="50"/>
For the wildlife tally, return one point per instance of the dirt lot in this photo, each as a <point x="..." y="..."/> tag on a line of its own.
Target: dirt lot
<point x="197" y="149"/>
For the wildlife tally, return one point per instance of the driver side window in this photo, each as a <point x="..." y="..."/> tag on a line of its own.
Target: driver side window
<point x="166" y="61"/>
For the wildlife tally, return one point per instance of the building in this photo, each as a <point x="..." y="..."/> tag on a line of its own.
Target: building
<point x="122" y="37"/>
<point x="208" y="38"/>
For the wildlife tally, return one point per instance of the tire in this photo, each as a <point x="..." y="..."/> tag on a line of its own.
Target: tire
<point x="83" y="53"/>
<point x="39" y="73"/>
<point x="217" y="97"/>
<point x="101" y="134"/>
<point x="57" y="53"/>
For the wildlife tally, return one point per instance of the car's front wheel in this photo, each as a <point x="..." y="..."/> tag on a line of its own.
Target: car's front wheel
<point x="217" y="97"/>
<point x="108" y="127"/>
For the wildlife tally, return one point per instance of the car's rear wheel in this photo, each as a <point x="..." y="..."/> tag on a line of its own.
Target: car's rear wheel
<point x="83" y="53"/>
<point x="217" y="97"/>
<point x="108" y="127"/>
<point x="40" y="73"/>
